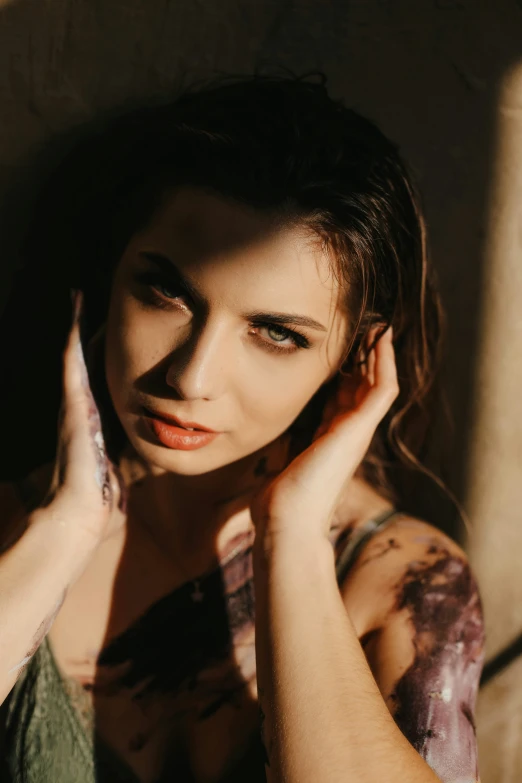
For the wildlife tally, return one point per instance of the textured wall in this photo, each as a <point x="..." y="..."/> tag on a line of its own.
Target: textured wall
<point x="429" y="72"/>
<point x="495" y="458"/>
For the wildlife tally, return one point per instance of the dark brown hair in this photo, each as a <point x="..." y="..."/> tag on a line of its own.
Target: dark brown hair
<point x="282" y="145"/>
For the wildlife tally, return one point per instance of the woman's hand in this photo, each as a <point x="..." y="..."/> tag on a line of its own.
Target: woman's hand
<point x="85" y="490"/>
<point x="302" y="499"/>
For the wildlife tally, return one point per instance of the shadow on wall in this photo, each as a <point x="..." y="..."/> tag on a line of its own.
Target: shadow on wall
<point x="425" y="72"/>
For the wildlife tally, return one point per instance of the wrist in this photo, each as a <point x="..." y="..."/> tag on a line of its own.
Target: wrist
<point x="293" y="551"/>
<point x="62" y="531"/>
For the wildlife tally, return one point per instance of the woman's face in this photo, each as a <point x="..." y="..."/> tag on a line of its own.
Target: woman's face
<point x="191" y="330"/>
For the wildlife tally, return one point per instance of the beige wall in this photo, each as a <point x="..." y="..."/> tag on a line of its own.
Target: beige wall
<point x="495" y="461"/>
<point x="429" y="72"/>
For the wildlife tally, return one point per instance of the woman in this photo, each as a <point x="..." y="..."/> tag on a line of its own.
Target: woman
<point x="261" y="330"/>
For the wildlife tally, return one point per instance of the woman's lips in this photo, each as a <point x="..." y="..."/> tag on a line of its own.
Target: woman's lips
<point x="176" y="421"/>
<point x="175" y="437"/>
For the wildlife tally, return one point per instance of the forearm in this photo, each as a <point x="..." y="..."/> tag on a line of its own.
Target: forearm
<point x="35" y="574"/>
<point x="325" y="719"/>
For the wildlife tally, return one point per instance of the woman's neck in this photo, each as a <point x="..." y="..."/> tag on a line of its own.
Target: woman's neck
<point x="195" y="517"/>
<point x="200" y="519"/>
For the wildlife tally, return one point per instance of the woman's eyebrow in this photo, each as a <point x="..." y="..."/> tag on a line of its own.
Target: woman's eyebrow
<point x="169" y="267"/>
<point x="286" y="318"/>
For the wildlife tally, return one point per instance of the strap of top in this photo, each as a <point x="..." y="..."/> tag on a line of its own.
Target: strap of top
<point x="358" y="539"/>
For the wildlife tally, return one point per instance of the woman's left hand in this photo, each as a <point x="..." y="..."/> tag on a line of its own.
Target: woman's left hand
<point x="302" y="499"/>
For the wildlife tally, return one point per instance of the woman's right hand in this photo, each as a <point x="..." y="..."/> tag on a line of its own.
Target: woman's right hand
<point x="85" y="490"/>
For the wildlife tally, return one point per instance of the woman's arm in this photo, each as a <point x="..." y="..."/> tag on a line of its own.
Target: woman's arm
<point x="35" y="573"/>
<point x="424" y="641"/>
<point x="42" y="553"/>
<point x="325" y="720"/>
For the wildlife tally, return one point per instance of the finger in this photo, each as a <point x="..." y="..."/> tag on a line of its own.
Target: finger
<point x="74" y="370"/>
<point x="372" y="340"/>
<point x="385" y="365"/>
<point x="377" y="390"/>
<point x="386" y="386"/>
<point x="81" y="415"/>
<point x="354" y="387"/>
<point x="70" y="416"/>
<point x="360" y="364"/>
<point x="370" y="367"/>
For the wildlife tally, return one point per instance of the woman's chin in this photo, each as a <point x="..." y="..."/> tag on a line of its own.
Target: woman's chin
<point x="167" y="460"/>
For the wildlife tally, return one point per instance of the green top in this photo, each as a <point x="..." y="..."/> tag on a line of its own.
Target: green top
<point x="45" y="741"/>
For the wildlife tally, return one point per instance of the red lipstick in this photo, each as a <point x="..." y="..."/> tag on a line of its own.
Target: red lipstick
<point x="172" y="432"/>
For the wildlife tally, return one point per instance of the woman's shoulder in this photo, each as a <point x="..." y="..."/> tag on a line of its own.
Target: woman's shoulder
<point x="407" y="555"/>
<point x="414" y="536"/>
<point x="402" y="539"/>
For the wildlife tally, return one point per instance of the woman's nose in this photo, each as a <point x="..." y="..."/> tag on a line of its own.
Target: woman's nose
<point x="196" y="370"/>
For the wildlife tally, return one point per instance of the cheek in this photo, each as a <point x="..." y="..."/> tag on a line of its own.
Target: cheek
<point x="272" y="401"/>
<point x="133" y="346"/>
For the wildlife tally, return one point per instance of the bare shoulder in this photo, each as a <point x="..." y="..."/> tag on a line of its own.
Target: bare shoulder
<point x="417" y="610"/>
<point x="18" y="498"/>
<point x="407" y="555"/>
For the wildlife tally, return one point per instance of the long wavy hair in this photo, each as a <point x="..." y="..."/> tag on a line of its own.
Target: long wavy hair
<point x="278" y="144"/>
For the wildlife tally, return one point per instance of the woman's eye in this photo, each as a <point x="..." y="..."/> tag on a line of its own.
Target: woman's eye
<point x="277" y="333"/>
<point x="278" y="339"/>
<point x="166" y="288"/>
<point x="170" y="293"/>
<point x="282" y="339"/>
<point x="169" y="290"/>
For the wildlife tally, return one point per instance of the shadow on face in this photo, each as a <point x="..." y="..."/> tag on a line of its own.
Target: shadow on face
<point x="223" y="316"/>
